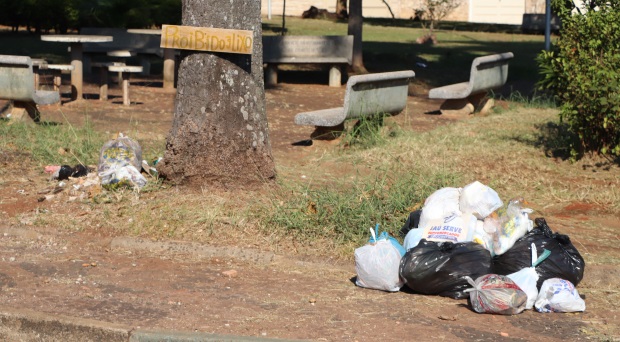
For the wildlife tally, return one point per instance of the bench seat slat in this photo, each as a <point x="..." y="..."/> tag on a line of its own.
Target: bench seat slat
<point x="324" y="117"/>
<point x="452" y="91"/>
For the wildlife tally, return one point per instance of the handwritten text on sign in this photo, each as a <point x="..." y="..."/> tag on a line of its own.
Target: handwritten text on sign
<point x="206" y="39"/>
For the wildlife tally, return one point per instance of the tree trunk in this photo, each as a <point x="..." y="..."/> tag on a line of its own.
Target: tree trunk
<point x="356" y="22"/>
<point x="219" y="135"/>
<point x="341" y="9"/>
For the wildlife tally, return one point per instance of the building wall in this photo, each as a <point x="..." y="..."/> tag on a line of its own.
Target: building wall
<point x="403" y="9"/>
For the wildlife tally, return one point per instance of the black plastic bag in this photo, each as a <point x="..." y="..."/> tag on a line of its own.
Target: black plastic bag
<point x="412" y="222"/>
<point x="438" y="268"/>
<point x="564" y="262"/>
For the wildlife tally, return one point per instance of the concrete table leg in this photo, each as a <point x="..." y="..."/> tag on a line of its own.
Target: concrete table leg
<point x="103" y="83"/>
<point x="169" y="69"/>
<point x="76" y="74"/>
<point x="335" y="76"/>
<point x="271" y="75"/>
<point x="125" y="78"/>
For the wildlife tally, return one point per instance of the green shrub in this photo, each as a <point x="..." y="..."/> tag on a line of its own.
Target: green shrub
<point x="583" y="72"/>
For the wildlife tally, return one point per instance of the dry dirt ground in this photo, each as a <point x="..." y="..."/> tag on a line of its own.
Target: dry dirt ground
<point x="191" y="287"/>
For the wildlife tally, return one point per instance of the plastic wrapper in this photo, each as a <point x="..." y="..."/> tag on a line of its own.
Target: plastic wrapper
<point x="514" y="223"/>
<point x="479" y="200"/>
<point x="438" y="268"/>
<point x="559" y="295"/>
<point x="453" y="228"/>
<point x="439" y="205"/>
<point x="496" y="294"/>
<point x="527" y="278"/>
<point x="120" y="162"/>
<point x="377" y="262"/>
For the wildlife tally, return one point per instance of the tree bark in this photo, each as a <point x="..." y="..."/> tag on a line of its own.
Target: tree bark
<point x="219" y="135"/>
<point x="356" y="21"/>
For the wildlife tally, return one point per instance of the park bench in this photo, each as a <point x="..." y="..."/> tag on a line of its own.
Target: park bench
<point x="487" y="73"/>
<point x="124" y="44"/>
<point x="17" y="85"/>
<point x="365" y="96"/>
<point x="334" y="51"/>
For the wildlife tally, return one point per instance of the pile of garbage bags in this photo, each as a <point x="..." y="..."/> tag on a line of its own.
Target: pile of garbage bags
<point x="465" y="243"/>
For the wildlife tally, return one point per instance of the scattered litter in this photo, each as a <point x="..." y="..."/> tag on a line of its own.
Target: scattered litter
<point x="230" y="273"/>
<point x="62" y="172"/>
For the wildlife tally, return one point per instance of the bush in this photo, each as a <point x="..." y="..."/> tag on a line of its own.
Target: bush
<point x="583" y="73"/>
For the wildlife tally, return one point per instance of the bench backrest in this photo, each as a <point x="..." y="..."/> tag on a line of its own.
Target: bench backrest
<point x="16" y="78"/>
<point x="307" y="49"/>
<point x="378" y="93"/>
<point x="122" y="40"/>
<point x="489" y="72"/>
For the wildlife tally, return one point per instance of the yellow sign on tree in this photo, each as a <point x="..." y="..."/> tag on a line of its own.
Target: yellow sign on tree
<point x="206" y="39"/>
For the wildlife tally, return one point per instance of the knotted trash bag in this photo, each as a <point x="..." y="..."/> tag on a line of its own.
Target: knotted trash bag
<point x="438" y="268"/>
<point x="120" y="162"/>
<point x="564" y="262"/>
<point x="496" y="294"/>
<point x="526" y="278"/>
<point x="559" y="295"/>
<point x="377" y="262"/>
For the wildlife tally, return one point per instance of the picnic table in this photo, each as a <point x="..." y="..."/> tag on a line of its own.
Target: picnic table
<point x="169" y="63"/>
<point x="76" y="41"/>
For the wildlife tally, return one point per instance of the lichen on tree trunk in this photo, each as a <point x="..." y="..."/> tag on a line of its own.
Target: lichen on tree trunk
<point x="220" y="135"/>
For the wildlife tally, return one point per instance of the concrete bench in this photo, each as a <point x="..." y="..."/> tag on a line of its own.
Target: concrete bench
<point x="365" y="96"/>
<point x="17" y="85"/>
<point x="125" y="71"/>
<point x="57" y="71"/>
<point x="334" y="51"/>
<point x="487" y="73"/>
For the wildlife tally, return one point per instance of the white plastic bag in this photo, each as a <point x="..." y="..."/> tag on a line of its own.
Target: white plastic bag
<point x="453" y="228"/>
<point x="440" y="204"/>
<point x="479" y="200"/>
<point x="559" y="295"/>
<point x="377" y="265"/>
<point x="496" y="294"/>
<point x="513" y="224"/>
<point x="527" y="277"/>
<point x="412" y="238"/>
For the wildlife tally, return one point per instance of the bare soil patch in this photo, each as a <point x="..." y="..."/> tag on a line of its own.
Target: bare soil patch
<point x="88" y="274"/>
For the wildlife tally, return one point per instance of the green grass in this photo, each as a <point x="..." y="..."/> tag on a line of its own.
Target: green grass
<point x="53" y="143"/>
